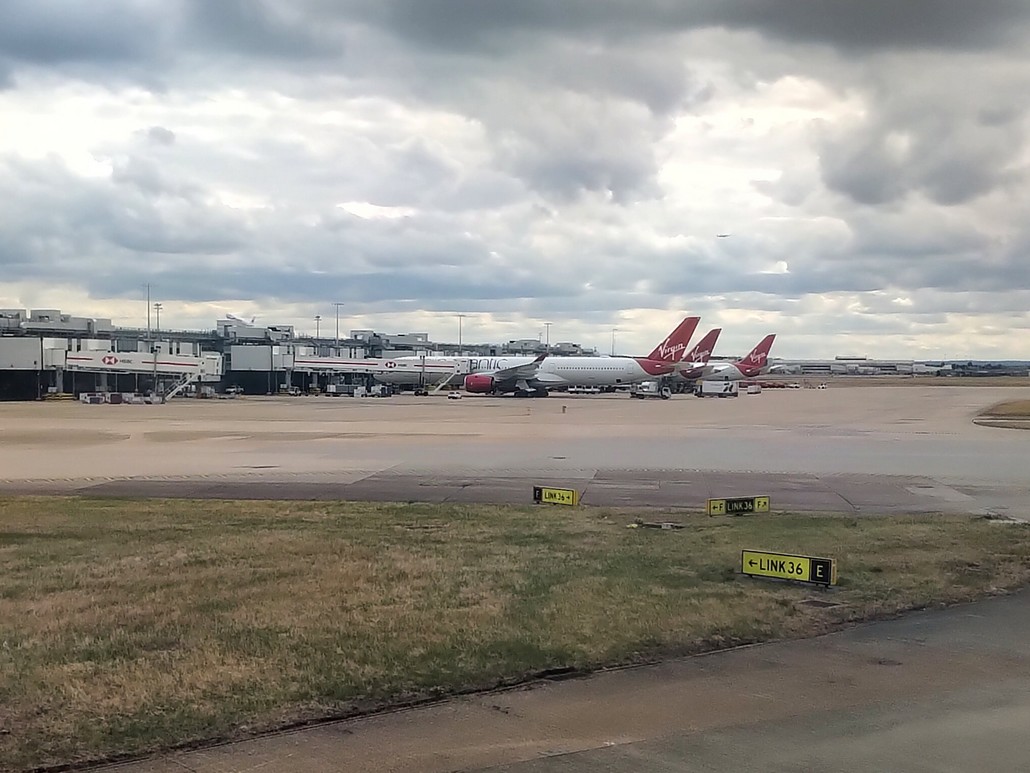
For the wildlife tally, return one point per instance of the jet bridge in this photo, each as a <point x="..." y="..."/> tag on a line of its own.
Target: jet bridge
<point x="206" y="367"/>
<point x="184" y="368"/>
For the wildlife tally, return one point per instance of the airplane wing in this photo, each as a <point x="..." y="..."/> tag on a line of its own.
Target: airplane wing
<point x="526" y="370"/>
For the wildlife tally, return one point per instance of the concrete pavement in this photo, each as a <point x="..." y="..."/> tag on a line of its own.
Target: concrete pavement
<point x="835" y="493"/>
<point x="869" y="449"/>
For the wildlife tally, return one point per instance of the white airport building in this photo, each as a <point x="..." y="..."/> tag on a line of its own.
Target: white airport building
<point x="45" y="352"/>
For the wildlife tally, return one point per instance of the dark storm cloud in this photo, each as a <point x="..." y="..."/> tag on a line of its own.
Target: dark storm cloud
<point x="257" y="28"/>
<point x="878" y="24"/>
<point x="49" y="32"/>
<point x="56" y="31"/>
<point x="873" y="24"/>
<point x="151" y="37"/>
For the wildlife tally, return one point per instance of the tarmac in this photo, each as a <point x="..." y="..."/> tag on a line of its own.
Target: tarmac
<point x="852" y="449"/>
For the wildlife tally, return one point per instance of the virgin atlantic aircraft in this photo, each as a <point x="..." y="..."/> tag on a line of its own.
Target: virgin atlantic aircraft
<point x="536" y="377"/>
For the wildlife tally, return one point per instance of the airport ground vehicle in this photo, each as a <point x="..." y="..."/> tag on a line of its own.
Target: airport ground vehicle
<point x="454" y="395"/>
<point x="717" y="389"/>
<point x="647" y="389"/>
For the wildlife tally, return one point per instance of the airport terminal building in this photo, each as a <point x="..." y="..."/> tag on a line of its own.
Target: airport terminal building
<point x="45" y="352"/>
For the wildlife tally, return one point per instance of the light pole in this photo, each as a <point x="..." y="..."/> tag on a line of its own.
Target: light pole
<point x="157" y="309"/>
<point x="147" y="285"/>
<point x="614" y="329"/>
<point x="318" y="318"/>
<point x="460" y="318"/>
<point x="337" y="304"/>
<point x="547" y="344"/>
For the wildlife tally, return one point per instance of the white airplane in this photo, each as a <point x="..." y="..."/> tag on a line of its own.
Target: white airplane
<point x="754" y="364"/>
<point x="694" y="362"/>
<point x="536" y="377"/>
<point x="523" y="376"/>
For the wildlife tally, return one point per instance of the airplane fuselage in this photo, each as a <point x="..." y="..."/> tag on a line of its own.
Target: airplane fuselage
<point x="553" y="371"/>
<point x="728" y="371"/>
<point x="604" y="371"/>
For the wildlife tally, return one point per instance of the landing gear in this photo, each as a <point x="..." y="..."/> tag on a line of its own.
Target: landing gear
<point x="530" y="393"/>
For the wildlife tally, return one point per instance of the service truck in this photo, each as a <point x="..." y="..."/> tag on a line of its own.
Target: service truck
<point x="647" y="389"/>
<point x="717" y="389"/>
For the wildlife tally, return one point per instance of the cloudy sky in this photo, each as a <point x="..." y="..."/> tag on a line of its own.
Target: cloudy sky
<point x="850" y="175"/>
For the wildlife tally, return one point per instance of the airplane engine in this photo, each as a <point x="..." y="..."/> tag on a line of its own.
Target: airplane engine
<point x="479" y="384"/>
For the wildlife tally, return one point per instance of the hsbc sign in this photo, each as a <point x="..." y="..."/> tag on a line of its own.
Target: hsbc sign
<point x="109" y="359"/>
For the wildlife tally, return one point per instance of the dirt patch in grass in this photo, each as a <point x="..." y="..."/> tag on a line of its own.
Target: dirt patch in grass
<point x="127" y="627"/>
<point x="1011" y="414"/>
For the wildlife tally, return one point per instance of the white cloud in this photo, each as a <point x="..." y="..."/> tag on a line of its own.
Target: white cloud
<point x="569" y="163"/>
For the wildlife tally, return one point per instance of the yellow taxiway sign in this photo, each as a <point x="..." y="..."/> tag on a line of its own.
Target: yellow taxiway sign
<point x="737" y="505"/>
<point x="785" y="566"/>
<point x="555" y="496"/>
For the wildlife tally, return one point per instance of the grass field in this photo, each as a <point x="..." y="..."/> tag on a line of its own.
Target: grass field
<point x="132" y="626"/>
<point x="1011" y="409"/>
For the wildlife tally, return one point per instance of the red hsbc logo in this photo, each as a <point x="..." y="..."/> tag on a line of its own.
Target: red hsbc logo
<point x="109" y="359"/>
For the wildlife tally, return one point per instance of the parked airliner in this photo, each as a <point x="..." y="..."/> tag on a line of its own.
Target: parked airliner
<point x="534" y="376"/>
<point x="693" y="364"/>
<point x="754" y="364"/>
<point x="537" y="377"/>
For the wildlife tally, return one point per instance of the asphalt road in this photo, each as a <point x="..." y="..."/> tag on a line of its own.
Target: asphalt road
<point x="835" y="493"/>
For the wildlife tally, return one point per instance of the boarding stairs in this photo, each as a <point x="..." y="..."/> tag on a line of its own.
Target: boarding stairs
<point x="184" y="381"/>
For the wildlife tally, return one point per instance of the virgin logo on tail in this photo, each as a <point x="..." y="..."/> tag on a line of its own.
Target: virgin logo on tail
<point x="668" y="353"/>
<point x="704" y="348"/>
<point x="756" y="359"/>
<point x="672" y="348"/>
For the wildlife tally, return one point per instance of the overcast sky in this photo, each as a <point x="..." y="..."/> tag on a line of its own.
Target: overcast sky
<point x="849" y="175"/>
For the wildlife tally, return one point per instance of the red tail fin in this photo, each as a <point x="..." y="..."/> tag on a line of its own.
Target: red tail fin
<point x="672" y="348"/>
<point x="704" y="348"/>
<point x="758" y="357"/>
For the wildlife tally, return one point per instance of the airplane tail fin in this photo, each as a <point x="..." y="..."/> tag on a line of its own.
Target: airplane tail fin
<point x="704" y="348"/>
<point x="672" y="348"/>
<point x="759" y="356"/>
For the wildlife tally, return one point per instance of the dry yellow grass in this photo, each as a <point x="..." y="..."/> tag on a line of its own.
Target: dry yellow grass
<point x="1011" y="409"/>
<point x="132" y="626"/>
